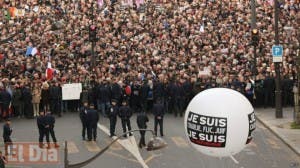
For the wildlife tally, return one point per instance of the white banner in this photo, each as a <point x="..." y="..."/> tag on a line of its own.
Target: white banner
<point x="71" y="91"/>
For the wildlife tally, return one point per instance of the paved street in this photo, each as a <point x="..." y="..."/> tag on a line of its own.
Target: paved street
<point x="265" y="151"/>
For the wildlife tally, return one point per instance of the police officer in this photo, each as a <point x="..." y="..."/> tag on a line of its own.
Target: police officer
<point x="82" y="115"/>
<point x="158" y="112"/>
<point x="92" y="117"/>
<point x="114" y="110"/>
<point x="141" y="121"/>
<point x="42" y="127"/>
<point x="50" y="121"/>
<point x="125" y="113"/>
<point x="7" y="131"/>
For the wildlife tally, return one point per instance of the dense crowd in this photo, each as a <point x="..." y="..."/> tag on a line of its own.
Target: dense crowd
<point x="169" y="50"/>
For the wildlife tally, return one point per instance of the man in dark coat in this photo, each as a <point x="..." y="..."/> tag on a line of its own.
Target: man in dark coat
<point x="83" y="119"/>
<point x="158" y="112"/>
<point x="56" y="96"/>
<point x="92" y="96"/>
<point x="159" y="90"/>
<point x="114" y="111"/>
<point x="188" y="91"/>
<point x="17" y="101"/>
<point x="104" y="97"/>
<point x="92" y="118"/>
<point x="28" y="107"/>
<point x="171" y="92"/>
<point x="7" y="131"/>
<point x="84" y="97"/>
<point x="50" y="121"/>
<point x="179" y="94"/>
<point x="141" y="121"/>
<point x="136" y="96"/>
<point x="144" y="95"/>
<point x="125" y="113"/>
<point x="5" y="100"/>
<point x="116" y="92"/>
<point x="51" y="96"/>
<point x="41" y="123"/>
<point x="287" y="91"/>
<point x="269" y="90"/>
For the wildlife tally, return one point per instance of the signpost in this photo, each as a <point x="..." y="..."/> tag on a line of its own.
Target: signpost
<point x="277" y="52"/>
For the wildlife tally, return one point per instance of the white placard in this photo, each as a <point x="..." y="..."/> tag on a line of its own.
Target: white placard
<point x="71" y="91"/>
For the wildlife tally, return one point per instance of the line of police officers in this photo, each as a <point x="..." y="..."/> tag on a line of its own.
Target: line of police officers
<point x="90" y="117"/>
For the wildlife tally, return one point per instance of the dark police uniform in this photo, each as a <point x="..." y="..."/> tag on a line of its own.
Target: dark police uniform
<point x="142" y="120"/>
<point x="82" y="115"/>
<point x="114" y="110"/>
<point x="6" y="137"/>
<point x="125" y="113"/>
<point x="50" y="121"/>
<point x="41" y="123"/>
<point x="158" y="112"/>
<point x="92" y="117"/>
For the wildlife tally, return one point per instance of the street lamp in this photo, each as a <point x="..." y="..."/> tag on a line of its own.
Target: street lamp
<point x="93" y="36"/>
<point x="297" y="108"/>
<point x="155" y="143"/>
<point x="254" y="41"/>
<point x="278" y="103"/>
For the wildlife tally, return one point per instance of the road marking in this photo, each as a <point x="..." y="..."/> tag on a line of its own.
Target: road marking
<point x="121" y="156"/>
<point x="92" y="146"/>
<point x="72" y="148"/>
<point x="149" y="159"/>
<point x="273" y="143"/>
<point x="115" y="146"/>
<point x="129" y="144"/>
<point x="179" y="141"/>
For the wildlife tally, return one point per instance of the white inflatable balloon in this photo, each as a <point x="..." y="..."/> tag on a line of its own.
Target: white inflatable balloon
<point x="219" y="122"/>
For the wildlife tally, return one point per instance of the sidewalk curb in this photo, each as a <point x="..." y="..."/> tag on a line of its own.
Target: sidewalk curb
<point x="282" y="138"/>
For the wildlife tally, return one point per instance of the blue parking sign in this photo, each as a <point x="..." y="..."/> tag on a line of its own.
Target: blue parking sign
<point x="277" y="52"/>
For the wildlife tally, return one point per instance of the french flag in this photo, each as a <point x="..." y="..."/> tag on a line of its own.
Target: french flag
<point x="31" y="51"/>
<point x="50" y="72"/>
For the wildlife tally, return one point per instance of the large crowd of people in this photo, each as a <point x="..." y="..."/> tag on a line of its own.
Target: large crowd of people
<point x="167" y="50"/>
